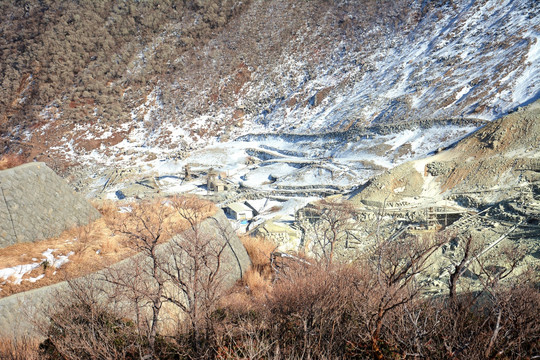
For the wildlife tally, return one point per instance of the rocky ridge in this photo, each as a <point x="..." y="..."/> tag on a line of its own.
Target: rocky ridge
<point x="490" y="165"/>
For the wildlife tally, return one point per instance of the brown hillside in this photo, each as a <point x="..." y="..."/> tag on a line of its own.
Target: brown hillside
<point x="501" y="155"/>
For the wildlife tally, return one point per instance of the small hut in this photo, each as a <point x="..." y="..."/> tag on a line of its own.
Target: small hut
<point x="239" y="211"/>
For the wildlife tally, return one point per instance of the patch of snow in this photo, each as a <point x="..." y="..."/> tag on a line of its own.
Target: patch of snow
<point x="461" y="93"/>
<point x="57" y="261"/>
<point x="62" y="259"/>
<point x="34" y="279"/>
<point x="17" y="272"/>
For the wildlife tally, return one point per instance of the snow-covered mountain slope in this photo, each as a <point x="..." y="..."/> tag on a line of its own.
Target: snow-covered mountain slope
<point x="460" y="59"/>
<point x="285" y="68"/>
<point x="475" y="59"/>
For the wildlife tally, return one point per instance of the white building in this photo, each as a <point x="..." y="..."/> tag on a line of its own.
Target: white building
<point x="239" y="211"/>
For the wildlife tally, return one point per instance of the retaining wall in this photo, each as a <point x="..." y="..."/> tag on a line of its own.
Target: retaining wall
<point x="35" y="204"/>
<point x="20" y="314"/>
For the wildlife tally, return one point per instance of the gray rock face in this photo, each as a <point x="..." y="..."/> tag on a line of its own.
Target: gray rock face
<point x="437" y="168"/>
<point x="35" y="204"/>
<point x="21" y="313"/>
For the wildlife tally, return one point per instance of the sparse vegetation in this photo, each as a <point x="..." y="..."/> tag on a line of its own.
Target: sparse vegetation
<point x="24" y="348"/>
<point x="97" y="244"/>
<point x="72" y="69"/>
<point x="372" y="308"/>
<point x="11" y="160"/>
<point x="259" y="250"/>
<point x="91" y="63"/>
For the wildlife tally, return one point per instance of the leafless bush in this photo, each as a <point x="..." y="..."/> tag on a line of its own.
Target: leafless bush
<point x="309" y="312"/>
<point x="328" y="227"/>
<point x="471" y="326"/>
<point x="373" y="307"/>
<point x="181" y="278"/>
<point x="23" y="348"/>
<point x="83" y="325"/>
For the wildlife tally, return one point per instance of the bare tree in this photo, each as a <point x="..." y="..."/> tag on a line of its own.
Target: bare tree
<point x="491" y="274"/>
<point x="179" y="267"/>
<point x="185" y="274"/>
<point x="145" y="227"/>
<point x="194" y="268"/>
<point x="332" y="225"/>
<point x="470" y="325"/>
<point x="390" y="281"/>
<point x="459" y="266"/>
<point x="470" y="252"/>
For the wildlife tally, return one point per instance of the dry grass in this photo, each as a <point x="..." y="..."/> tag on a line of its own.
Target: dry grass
<point x="249" y="294"/>
<point x="256" y="284"/>
<point x="19" y="349"/>
<point x="237" y="301"/>
<point x="101" y="243"/>
<point x="9" y="161"/>
<point x="259" y="250"/>
<point x="92" y="245"/>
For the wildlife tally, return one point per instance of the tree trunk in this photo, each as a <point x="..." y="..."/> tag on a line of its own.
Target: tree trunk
<point x="375" y="337"/>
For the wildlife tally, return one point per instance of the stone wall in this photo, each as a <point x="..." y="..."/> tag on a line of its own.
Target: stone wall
<point x="35" y="204"/>
<point x="21" y="313"/>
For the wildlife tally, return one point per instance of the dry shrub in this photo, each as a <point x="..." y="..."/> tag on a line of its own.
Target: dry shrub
<point x="257" y="280"/>
<point x="311" y="310"/>
<point x="106" y="208"/>
<point x="257" y="285"/>
<point x="23" y="348"/>
<point x="95" y="246"/>
<point x="308" y="314"/>
<point x="86" y="235"/>
<point x="22" y="253"/>
<point x="502" y="324"/>
<point x="83" y="326"/>
<point x="322" y="312"/>
<point x="169" y="215"/>
<point x="9" y="161"/>
<point x="318" y="312"/>
<point x="237" y="302"/>
<point x="259" y="250"/>
<point x="112" y="247"/>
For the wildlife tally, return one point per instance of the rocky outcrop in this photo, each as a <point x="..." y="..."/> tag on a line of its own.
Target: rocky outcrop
<point x="491" y="163"/>
<point x="392" y="186"/>
<point x="437" y="168"/>
<point x="35" y="204"/>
